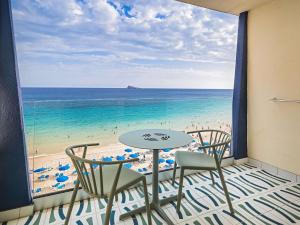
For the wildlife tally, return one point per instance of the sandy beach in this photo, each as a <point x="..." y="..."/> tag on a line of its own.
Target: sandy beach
<point x="45" y="181"/>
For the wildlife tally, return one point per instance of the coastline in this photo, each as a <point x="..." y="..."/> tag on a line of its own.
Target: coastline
<point x="51" y="143"/>
<point x="52" y="161"/>
<point x="58" y="118"/>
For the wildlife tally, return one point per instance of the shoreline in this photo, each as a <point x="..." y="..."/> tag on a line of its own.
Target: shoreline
<point x="52" y="161"/>
<point x="48" y="143"/>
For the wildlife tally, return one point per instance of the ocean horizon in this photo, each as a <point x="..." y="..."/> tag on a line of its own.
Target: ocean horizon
<point x="58" y="117"/>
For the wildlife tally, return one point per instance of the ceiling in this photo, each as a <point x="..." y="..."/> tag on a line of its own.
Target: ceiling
<point x="228" y="6"/>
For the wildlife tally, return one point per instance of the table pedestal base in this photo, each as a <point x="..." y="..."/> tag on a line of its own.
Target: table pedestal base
<point x="153" y="206"/>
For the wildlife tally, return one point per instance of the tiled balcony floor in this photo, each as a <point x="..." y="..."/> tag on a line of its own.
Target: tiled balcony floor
<point x="258" y="198"/>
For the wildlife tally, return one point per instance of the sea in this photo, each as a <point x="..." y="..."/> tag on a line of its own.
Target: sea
<point x="58" y="117"/>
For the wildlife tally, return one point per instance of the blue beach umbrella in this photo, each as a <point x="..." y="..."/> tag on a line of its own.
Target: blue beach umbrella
<point x="43" y="177"/>
<point x="205" y="143"/>
<point x="94" y="165"/>
<point x="170" y="161"/>
<point x="127" y="165"/>
<point x="55" y="185"/>
<point x="62" y="178"/>
<point x="107" y="159"/>
<point x="128" y="150"/>
<point x="40" y="170"/>
<point x="166" y="150"/>
<point x="161" y="160"/>
<point x="59" y="174"/>
<point x="120" y="157"/>
<point x="63" y="168"/>
<point x="62" y="186"/>
<point x="134" y="155"/>
<point x="38" y="190"/>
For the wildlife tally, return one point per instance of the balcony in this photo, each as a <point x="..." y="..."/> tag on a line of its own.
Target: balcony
<point x="258" y="197"/>
<point x="262" y="170"/>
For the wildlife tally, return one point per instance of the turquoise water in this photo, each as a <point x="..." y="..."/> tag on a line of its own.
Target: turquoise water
<point x="57" y="117"/>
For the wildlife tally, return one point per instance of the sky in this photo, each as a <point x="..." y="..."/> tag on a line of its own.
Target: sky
<point x="111" y="44"/>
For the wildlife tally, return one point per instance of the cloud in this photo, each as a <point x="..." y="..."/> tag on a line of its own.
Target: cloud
<point x="121" y="36"/>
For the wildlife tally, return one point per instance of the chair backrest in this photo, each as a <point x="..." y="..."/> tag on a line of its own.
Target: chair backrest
<point x="87" y="170"/>
<point x="212" y="142"/>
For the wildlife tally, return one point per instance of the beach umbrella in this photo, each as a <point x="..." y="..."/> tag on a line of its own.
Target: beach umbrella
<point x="59" y="174"/>
<point x="170" y="161"/>
<point x="128" y="150"/>
<point x="161" y="160"/>
<point x="43" y="177"/>
<point x="127" y="165"/>
<point x="120" y="157"/>
<point x="62" y="178"/>
<point x="38" y="190"/>
<point x="40" y="170"/>
<point x="63" y="168"/>
<point x="134" y="155"/>
<point x="55" y="185"/>
<point x="205" y="143"/>
<point x="62" y="186"/>
<point x="166" y="149"/>
<point x="94" y="165"/>
<point x="107" y="159"/>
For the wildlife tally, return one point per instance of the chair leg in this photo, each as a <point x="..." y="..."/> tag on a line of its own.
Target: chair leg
<point x="179" y="197"/>
<point x="212" y="177"/>
<point x="108" y="208"/>
<point x="148" y="210"/>
<point x="225" y="190"/>
<point x="174" y="173"/>
<point x="72" y="202"/>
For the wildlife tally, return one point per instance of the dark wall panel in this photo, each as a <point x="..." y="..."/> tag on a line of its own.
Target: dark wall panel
<point x="239" y="107"/>
<point x="14" y="181"/>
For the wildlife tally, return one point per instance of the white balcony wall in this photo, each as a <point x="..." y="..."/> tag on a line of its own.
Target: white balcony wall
<point x="274" y="70"/>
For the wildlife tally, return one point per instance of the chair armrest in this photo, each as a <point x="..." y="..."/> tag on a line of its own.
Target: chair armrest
<point x="83" y="145"/>
<point x="120" y="162"/>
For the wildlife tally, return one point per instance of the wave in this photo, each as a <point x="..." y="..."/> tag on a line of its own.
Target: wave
<point x="123" y="99"/>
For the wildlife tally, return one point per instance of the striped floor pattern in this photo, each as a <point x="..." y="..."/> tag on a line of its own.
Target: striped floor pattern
<point x="258" y="197"/>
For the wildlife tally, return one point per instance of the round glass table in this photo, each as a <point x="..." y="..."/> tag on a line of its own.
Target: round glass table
<point x="155" y="140"/>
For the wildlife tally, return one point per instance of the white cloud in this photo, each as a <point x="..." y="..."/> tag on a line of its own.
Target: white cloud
<point x="159" y="35"/>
